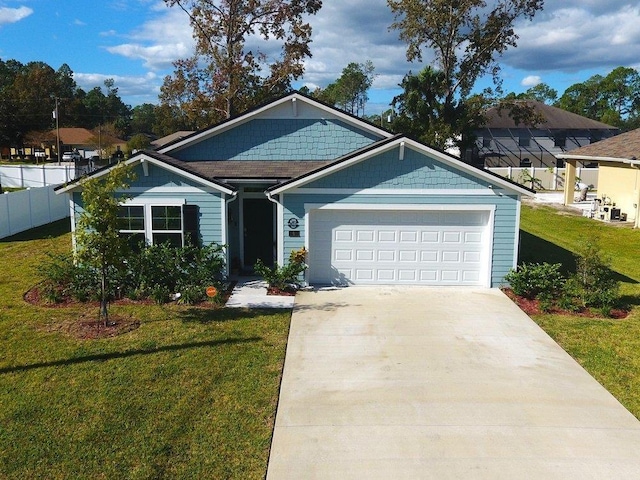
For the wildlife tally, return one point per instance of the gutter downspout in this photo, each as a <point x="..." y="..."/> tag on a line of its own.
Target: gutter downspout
<point x="279" y="228"/>
<point x="234" y="196"/>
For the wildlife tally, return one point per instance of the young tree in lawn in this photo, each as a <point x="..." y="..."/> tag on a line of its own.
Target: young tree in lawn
<point x="226" y="75"/>
<point x="98" y="243"/>
<point x="465" y="37"/>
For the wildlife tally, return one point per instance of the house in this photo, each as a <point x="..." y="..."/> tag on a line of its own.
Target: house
<point x="88" y="143"/>
<point x="369" y="206"/>
<point x="618" y="173"/>
<point x="504" y="142"/>
<point x="161" y="142"/>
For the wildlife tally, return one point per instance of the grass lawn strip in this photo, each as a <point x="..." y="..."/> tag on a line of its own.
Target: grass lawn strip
<point x="608" y="349"/>
<point x="191" y="393"/>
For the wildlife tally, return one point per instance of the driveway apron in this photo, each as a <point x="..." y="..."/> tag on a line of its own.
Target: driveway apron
<point x="439" y="383"/>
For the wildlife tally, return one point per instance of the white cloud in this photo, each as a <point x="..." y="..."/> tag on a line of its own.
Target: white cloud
<point x="13" y="15"/>
<point x="578" y="38"/>
<point x="159" y="41"/>
<point x="137" y="89"/>
<point x="531" y="81"/>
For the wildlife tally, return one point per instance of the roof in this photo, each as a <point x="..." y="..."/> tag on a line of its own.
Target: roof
<point x="255" y="169"/>
<point x="161" y="142"/>
<point x="625" y="146"/>
<point x="82" y="136"/>
<point x="555" y="119"/>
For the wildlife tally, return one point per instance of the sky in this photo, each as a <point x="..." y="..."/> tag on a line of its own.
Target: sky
<point x="135" y="42"/>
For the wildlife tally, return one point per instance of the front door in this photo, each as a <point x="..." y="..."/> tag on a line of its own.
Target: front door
<point x="258" y="231"/>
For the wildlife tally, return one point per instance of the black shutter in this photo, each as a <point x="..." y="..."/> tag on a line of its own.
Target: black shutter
<point x="190" y="225"/>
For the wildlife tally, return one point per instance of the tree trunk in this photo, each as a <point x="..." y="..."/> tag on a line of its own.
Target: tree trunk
<point x="104" y="311"/>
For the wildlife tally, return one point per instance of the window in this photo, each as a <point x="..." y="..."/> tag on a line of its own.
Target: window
<point x="156" y="221"/>
<point x="131" y="224"/>
<point x="524" y="141"/>
<point x="166" y="224"/>
<point x="559" y="140"/>
<point x="486" y="142"/>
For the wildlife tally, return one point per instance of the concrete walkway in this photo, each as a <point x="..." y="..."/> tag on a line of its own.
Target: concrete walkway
<point x="433" y="383"/>
<point x="251" y="292"/>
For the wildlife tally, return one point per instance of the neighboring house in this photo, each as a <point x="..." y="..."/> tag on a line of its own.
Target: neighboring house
<point x="88" y="143"/>
<point x="502" y="142"/>
<point x="161" y="142"/>
<point x="370" y="207"/>
<point x="618" y="172"/>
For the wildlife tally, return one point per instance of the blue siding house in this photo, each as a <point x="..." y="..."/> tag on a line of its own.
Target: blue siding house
<point x="369" y="206"/>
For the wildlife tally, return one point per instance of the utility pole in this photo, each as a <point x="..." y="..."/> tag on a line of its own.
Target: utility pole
<point x="55" y="115"/>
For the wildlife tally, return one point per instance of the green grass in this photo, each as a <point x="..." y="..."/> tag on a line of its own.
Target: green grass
<point x="192" y="393"/>
<point x="608" y="349"/>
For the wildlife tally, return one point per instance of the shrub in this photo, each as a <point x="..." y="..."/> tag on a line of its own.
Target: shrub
<point x="598" y="285"/>
<point x="154" y="271"/>
<point x="530" y="280"/>
<point x="282" y="277"/>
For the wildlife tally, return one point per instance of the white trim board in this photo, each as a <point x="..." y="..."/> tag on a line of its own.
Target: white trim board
<point x="398" y="191"/>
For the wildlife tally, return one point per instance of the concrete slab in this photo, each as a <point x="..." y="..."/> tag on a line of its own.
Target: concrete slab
<point x="252" y="293"/>
<point x="440" y="383"/>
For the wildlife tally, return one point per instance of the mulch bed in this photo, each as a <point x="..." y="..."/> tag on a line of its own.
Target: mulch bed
<point x="88" y="327"/>
<point x="286" y="292"/>
<point x="532" y="307"/>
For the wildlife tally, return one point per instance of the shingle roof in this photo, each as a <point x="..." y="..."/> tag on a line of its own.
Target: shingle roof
<point x="555" y="119"/>
<point x="82" y="136"/>
<point x="243" y="169"/>
<point x="161" y="142"/>
<point x="626" y="145"/>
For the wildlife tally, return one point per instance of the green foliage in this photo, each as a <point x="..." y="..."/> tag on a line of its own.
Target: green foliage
<point x="525" y="178"/>
<point x="349" y="92"/>
<point x="593" y="285"/>
<point x="155" y="271"/>
<point x="99" y="245"/>
<point x="612" y="99"/>
<point x="465" y="38"/>
<point x="530" y="280"/>
<point x="283" y="277"/>
<point x="598" y="285"/>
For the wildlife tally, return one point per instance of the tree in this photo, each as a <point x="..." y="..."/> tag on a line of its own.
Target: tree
<point x="541" y="92"/>
<point x="225" y="76"/>
<point x="424" y="114"/>
<point x="614" y="99"/>
<point x="99" y="245"/>
<point x="466" y="38"/>
<point x="138" y="142"/>
<point x="349" y="92"/>
<point x="143" y="118"/>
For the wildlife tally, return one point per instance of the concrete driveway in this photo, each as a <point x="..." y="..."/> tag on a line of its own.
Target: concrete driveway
<point x="404" y="383"/>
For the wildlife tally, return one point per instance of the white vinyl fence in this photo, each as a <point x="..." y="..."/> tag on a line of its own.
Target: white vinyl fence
<point x="540" y="178"/>
<point x="20" y="211"/>
<point x="24" y="176"/>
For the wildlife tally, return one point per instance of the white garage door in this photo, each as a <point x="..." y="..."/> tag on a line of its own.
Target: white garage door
<point x="364" y="247"/>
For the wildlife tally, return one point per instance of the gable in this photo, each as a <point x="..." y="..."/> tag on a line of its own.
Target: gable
<point x="280" y="139"/>
<point x="385" y="170"/>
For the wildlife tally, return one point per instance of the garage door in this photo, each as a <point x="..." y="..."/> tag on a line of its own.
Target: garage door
<point x="364" y="247"/>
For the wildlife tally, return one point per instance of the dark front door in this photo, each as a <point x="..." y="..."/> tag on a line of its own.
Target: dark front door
<point x="258" y="231"/>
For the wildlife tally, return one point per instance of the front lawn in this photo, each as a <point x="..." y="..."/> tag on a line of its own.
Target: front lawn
<point x="191" y="393"/>
<point x="608" y="349"/>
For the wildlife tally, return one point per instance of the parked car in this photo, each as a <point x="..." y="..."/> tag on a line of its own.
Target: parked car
<point x="71" y="156"/>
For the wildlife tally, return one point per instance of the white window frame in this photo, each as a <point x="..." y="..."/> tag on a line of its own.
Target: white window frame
<point x="147" y="203"/>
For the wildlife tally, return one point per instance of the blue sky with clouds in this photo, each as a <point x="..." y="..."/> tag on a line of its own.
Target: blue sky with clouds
<point x="135" y="42"/>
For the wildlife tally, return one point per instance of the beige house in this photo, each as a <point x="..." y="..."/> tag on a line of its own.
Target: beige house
<point x="619" y="171"/>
